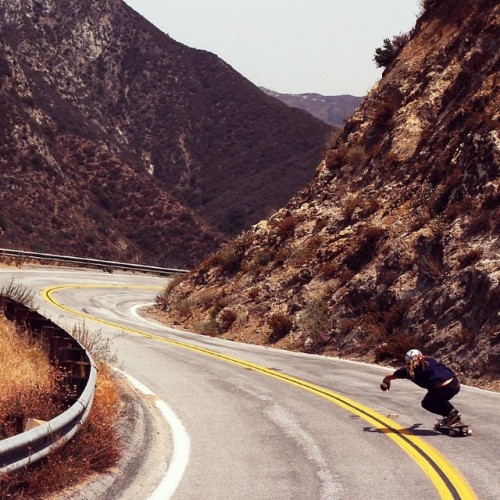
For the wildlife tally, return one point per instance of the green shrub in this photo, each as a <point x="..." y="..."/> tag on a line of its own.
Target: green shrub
<point x="233" y="222"/>
<point x="26" y="227"/>
<point x="384" y="55"/>
<point x="387" y="53"/>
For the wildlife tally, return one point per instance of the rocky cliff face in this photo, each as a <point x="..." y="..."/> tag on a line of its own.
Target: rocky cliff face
<point x="395" y="244"/>
<point x="118" y="142"/>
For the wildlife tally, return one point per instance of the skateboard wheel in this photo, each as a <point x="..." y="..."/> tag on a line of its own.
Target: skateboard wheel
<point x="469" y="432"/>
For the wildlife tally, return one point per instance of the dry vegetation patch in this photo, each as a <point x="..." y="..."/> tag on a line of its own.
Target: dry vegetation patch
<point x="26" y="379"/>
<point x="30" y="387"/>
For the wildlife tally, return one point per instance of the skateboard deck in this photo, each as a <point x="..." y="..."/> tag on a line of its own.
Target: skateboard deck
<point x="454" y="429"/>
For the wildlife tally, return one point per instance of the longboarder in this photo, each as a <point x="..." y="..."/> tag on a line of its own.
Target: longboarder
<point x="439" y="380"/>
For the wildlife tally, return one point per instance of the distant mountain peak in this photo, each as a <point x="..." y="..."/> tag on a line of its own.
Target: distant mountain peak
<point x="333" y="110"/>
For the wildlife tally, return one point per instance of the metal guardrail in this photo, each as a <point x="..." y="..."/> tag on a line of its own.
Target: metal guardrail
<point x="65" y="352"/>
<point x="91" y="262"/>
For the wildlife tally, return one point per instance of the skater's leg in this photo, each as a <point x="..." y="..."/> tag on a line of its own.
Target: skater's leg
<point x="438" y="400"/>
<point x="435" y="403"/>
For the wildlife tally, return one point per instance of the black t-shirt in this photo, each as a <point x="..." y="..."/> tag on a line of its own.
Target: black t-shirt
<point x="430" y="376"/>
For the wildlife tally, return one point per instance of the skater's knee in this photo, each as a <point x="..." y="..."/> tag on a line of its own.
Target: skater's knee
<point x="429" y="404"/>
<point x="425" y="404"/>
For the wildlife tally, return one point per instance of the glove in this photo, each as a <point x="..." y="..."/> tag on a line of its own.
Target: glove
<point x="385" y="386"/>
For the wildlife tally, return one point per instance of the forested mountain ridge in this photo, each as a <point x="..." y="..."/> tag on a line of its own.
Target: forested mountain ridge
<point x="119" y="142"/>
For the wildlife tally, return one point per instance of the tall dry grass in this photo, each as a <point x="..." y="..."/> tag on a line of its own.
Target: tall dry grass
<point x="19" y="293"/>
<point x="24" y="361"/>
<point x="27" y="381"/>
<point x="29" y="387"/>
<point x="95" y="448"/>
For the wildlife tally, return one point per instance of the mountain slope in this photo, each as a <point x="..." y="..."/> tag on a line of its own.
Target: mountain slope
<point x="333" y="110"/>
<point x="108" y="124"/>
<point x="395" y="244"/>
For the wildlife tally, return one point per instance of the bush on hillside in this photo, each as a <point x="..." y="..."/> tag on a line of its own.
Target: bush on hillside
<point x="280" y="325"/>
<point x="387" y="53"/>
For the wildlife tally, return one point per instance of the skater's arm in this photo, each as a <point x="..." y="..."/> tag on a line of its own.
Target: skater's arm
<point x="386" y="383"/>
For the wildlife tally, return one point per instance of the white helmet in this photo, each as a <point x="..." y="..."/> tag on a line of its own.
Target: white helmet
<point x="412" y="354"/>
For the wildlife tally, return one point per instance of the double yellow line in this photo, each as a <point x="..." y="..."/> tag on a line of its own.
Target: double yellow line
<point x="447" y="480"/>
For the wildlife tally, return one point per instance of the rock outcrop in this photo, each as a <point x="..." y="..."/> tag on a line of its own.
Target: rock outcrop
<point x="395" y="244"/>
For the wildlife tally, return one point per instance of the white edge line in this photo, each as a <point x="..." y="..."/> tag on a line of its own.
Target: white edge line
<point x="134" y="311"/>
<point x="180" y="455"/>
<point x="133" y="381"/>
<point x="181" y="444"/>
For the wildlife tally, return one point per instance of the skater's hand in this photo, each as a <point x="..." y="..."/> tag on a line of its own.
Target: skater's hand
<point x="385" y="385"/>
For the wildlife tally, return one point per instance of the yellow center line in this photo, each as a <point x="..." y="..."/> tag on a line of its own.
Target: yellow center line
<point x="447" y="480"/>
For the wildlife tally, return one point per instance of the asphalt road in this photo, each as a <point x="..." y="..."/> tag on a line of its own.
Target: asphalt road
<point x="248" y="422"/>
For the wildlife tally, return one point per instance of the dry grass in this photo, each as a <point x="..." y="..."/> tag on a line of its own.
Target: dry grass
<point x="26" y="377"/>
<point x="28" y="384"/>
<point x="19" y="293"/>
<point x="99" y="347"/>
<point x="96" y="448"/>
<point x="162" y="298"/>
<point x="34" y="369"/>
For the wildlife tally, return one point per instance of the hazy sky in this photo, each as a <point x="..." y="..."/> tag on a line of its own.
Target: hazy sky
<point x="290" y="46"/>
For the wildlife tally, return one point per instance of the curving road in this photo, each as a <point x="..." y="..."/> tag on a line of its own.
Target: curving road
<point x="249" y="422"/>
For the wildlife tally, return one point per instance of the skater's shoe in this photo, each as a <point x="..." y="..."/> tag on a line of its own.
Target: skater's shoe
<point x="440" y="422"/>
<point x="453" y="417"/>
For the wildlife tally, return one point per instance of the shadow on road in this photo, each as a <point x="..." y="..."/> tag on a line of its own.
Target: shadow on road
<point x="413" y="430"/>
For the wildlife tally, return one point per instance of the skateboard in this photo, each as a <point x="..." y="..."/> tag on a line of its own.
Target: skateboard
<point x="459" y="429"/>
